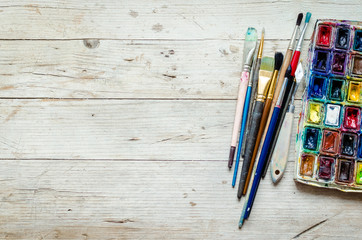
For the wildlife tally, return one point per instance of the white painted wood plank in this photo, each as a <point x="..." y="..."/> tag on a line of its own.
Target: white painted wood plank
<point x="116" y="129"/>
<point x="45" y="199"/>
<point x="124" y="69"/>
<point x="175" y="19"/>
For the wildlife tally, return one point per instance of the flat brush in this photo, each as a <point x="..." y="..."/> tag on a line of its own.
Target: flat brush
<point x="248" y="105"/>
<point x="286" y="95"/>
<point x="265" y="75"/>
<point x="277" y="64"/>
<point x="249" y="48"/>
<point x="280" y="154"/>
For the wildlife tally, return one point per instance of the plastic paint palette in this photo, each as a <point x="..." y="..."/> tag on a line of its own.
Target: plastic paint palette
<point x="329" y="141"/>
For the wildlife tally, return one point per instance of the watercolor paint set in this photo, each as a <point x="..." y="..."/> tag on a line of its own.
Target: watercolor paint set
<point x="329" y="139"/>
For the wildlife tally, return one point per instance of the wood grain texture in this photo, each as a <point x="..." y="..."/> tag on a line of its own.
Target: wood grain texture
<point x="116" y="129"/>
<point x="173" y="19"/>
<point x="116" y="120"/>
<point x="124" y="69"/>
<point x="45" y="199"/>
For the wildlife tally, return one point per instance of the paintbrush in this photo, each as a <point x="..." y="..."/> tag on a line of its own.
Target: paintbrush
<point x="265" y="75"/>
<point x="249" y="48"/>
<point x="286" y="96"/>
<point x="278" y="60"/>
<point x="286" y="63"/>
<point x="274" y="118"/>
<point x="280" y="154"/>
<point x="247" y="105"/>
<point x="255" y="77"/>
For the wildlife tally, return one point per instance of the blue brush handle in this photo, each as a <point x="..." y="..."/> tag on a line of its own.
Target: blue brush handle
<point x="261" y="162"/>
<point x="241" y="136"/>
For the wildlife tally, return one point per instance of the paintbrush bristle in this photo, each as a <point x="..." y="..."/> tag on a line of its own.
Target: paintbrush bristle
<point x="251" y="38"/>
<point x="267" y="64"/>
<point x="278" y="60"/>
<point x="300" y="17"/>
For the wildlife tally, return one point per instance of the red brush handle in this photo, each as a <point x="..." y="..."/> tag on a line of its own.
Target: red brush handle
<point x="294" y="62"/>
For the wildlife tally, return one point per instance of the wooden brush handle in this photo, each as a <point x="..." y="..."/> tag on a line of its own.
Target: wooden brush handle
<point x="250" y="143"/>
<point x="257" y="143"/>
<point x="280" y="154"/>
<point x="287" y="59"/>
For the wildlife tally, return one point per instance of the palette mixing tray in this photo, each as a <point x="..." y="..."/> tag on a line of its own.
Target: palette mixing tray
<point x="329" y="140"/>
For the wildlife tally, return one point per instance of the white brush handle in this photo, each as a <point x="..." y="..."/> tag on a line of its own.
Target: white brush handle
<point x="280" y="154"/>
<point x="240" y="106"/>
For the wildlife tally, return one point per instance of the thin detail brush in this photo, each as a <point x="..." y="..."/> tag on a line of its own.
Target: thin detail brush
<point x="248" y="103"/>
<point x="249" y="48"/>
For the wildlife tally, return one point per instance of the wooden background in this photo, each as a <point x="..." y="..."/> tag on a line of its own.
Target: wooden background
<point x="116" y="120"/>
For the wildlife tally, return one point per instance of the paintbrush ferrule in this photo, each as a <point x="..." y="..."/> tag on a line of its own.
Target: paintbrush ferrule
<point x="247" y="68"/>
<point x="293" y="38"/>
<point x="301" y="37"/>
<point x="263" y="84"/>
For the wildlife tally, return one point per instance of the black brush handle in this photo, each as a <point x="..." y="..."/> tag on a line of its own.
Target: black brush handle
<point x="250" y="144"/>
<point x="286" y="99"/>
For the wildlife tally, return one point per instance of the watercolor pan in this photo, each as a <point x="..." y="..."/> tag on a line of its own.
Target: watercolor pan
<point x="336" y="90"/>
<point x="354" y="92"/>
<point x="345" y="171"/>
<point x="321" y="61"/>
<point x="332" y="116"/>
<point x="342" y="37"/>
<point x="352" y="118"/>
<point x="325" y="167"/>
<point x="329" y="138"/>
<point x="356" y="68"/>
<point x="359" y="173"/>
<point x="317" y="88"/>
<point x="330" y="142"/>
<point x="357" y="46"/>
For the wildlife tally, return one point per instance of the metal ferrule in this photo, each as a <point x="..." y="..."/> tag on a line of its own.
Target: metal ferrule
<point x="300" y="40"/>
<point x="293" y="38"/>
<point x="282" y="92"/>
<point x="246" y="68"/>
<point x="263" y="84"/>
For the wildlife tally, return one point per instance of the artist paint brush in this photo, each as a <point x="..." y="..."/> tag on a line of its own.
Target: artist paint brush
<point x="278" y="60"/>
<point x="248" y="103"/>
<point x="280" y="154"/>
<point x="286" y="96"/>
<point x="254" y="84"/>
<point x="262" y="158"/>
<point x="286" y="63"/>
<point x="249" y="48"/>
<point x="265" y="75"/>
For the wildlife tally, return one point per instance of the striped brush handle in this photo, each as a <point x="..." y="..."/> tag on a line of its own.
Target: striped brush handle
<point x="250" y="144"/>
